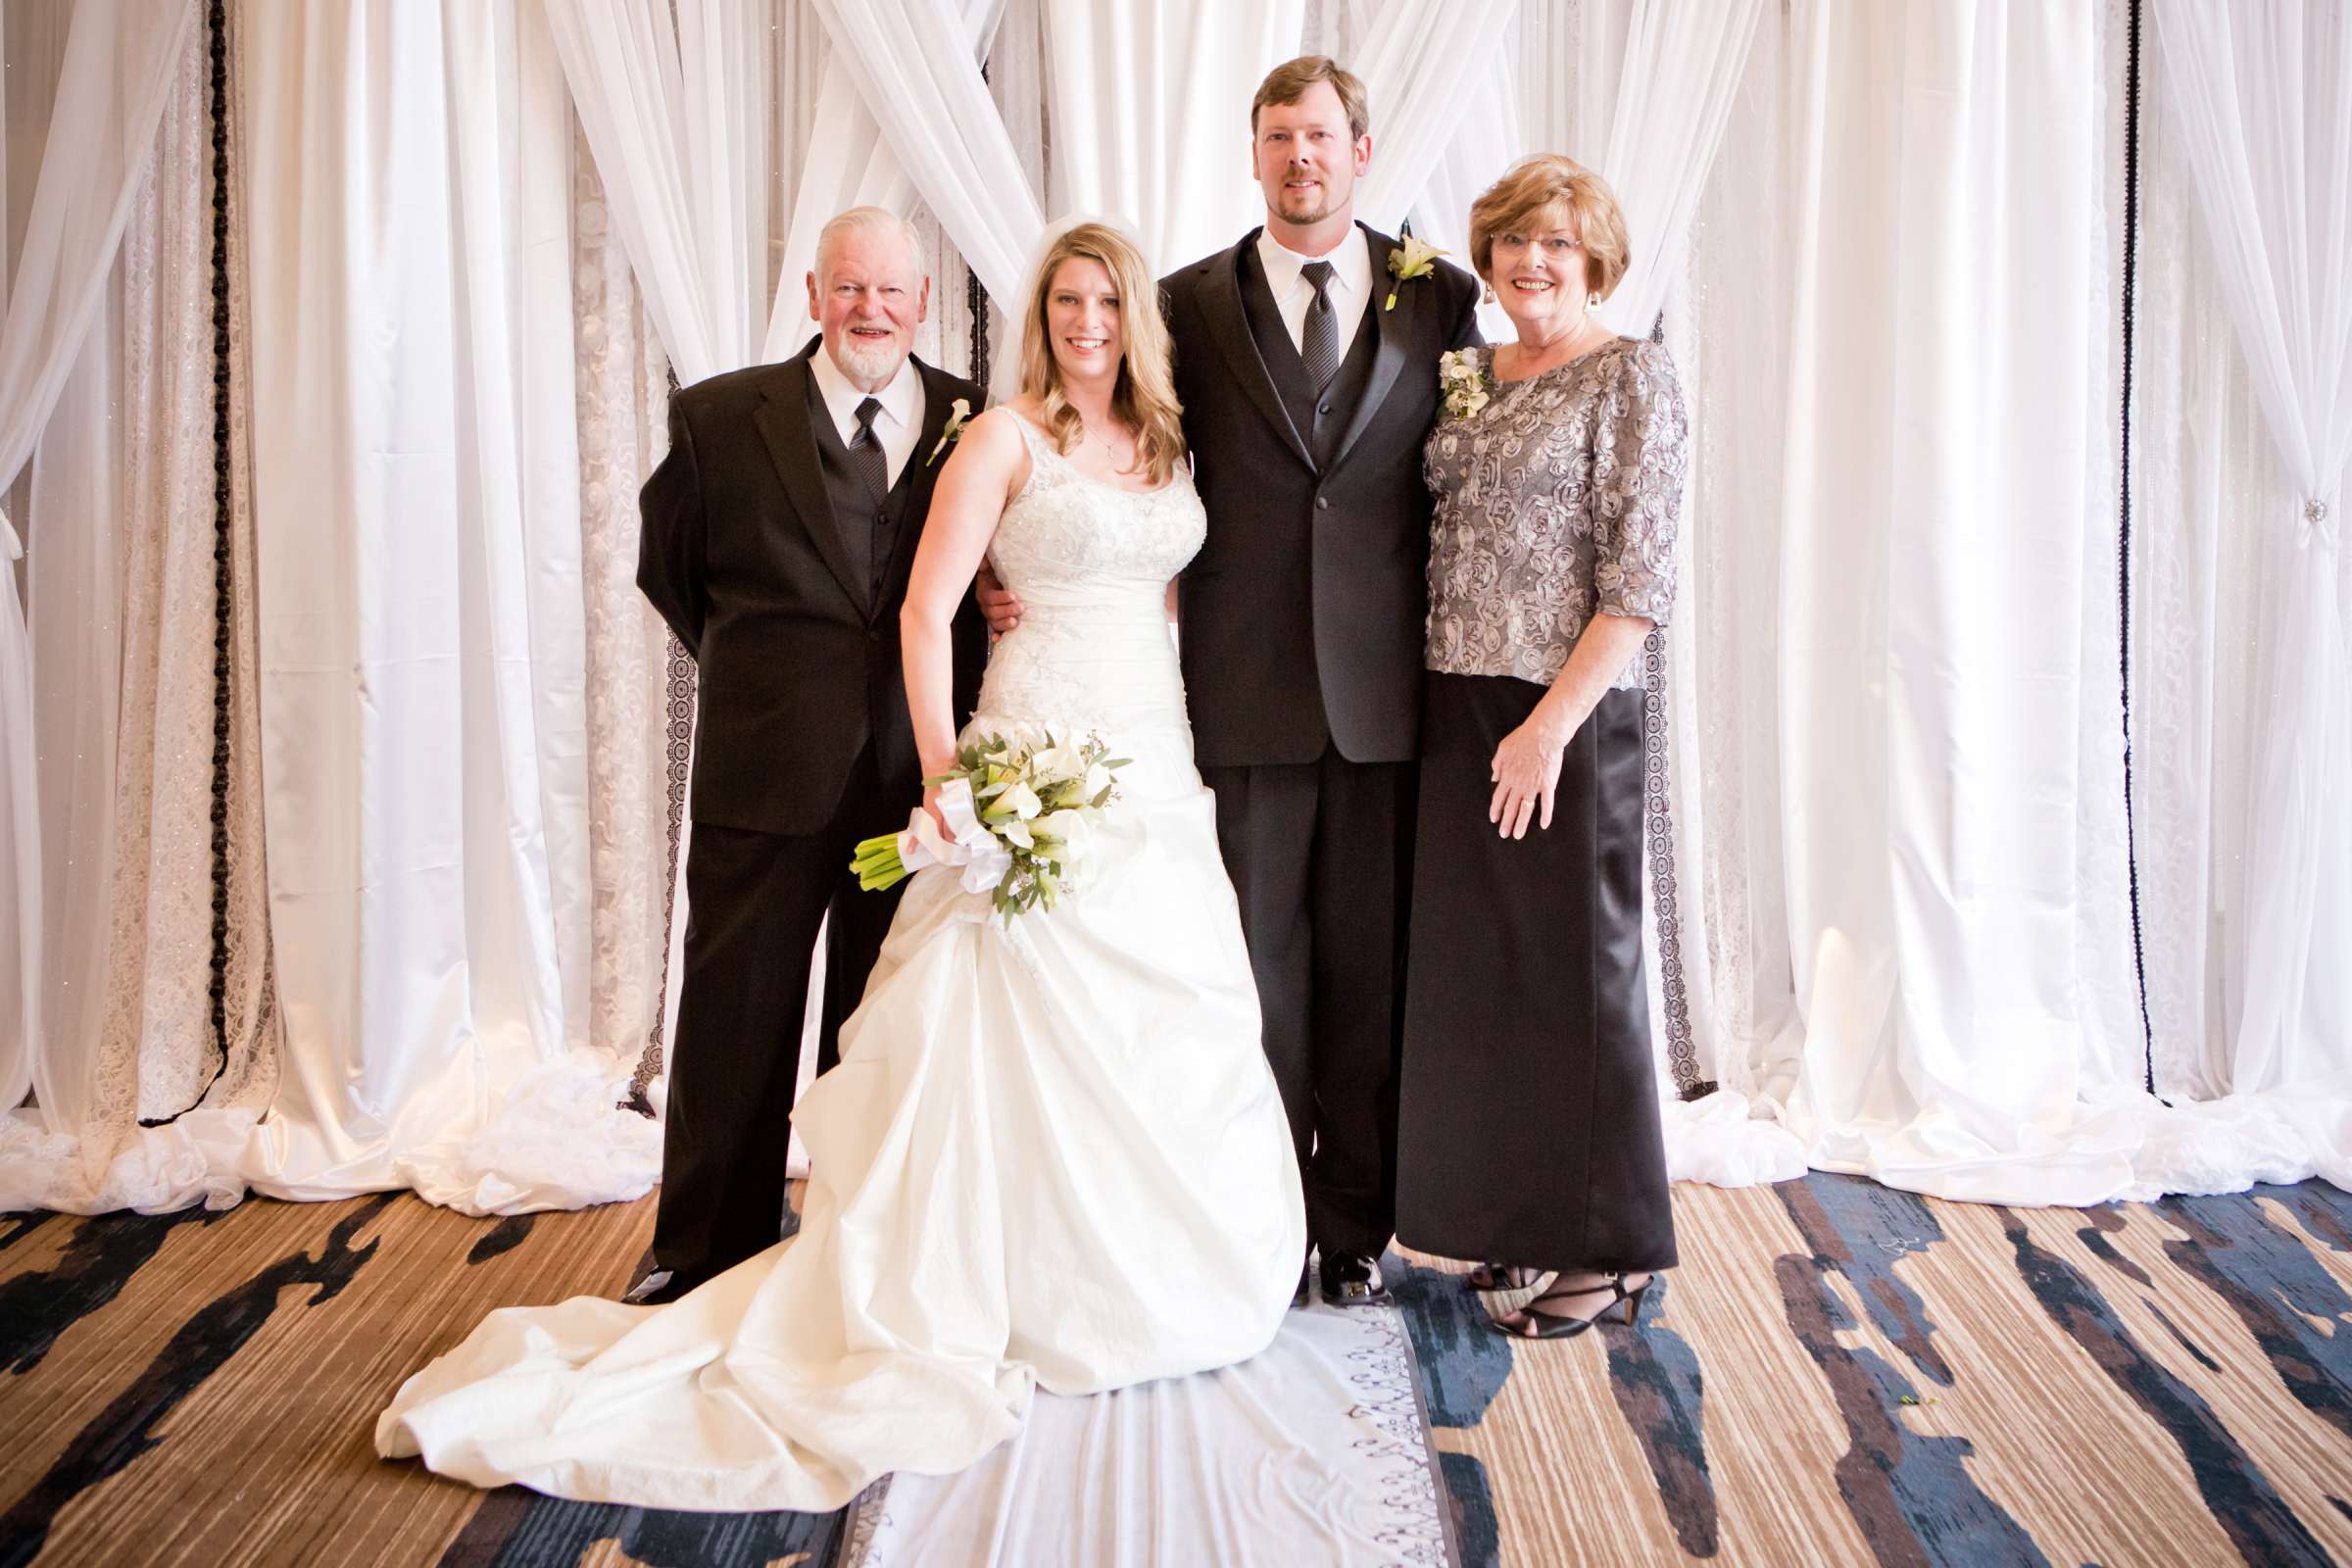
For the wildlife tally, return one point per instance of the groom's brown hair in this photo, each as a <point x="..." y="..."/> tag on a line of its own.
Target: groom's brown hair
<point x="1288" y="81"/>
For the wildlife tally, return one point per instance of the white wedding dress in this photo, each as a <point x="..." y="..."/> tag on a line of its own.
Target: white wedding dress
<point x="1053" y="1153"/>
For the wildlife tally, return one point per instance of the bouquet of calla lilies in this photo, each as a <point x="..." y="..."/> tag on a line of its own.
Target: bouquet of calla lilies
<point x="1023" y="818"/>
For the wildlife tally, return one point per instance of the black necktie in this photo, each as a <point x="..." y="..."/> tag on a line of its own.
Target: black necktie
<point x="874" y="463"/>
<point x="1319" y="342"/>
<point x="865" y="451"/>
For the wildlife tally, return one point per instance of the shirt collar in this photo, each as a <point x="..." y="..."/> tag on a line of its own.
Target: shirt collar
<point x="1350" y="262"/>
<point x="842" y="396"/>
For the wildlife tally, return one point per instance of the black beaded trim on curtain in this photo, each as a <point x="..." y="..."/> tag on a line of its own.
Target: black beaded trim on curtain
<point x="975" y="299"/>
<point x="215" y="28"/>
<point x="2123" y="562"/>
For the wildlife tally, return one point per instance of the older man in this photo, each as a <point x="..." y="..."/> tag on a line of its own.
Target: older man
<point x="777" y="537"/>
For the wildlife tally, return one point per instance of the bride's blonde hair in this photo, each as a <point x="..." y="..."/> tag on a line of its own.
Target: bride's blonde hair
<point x="1145" y="395"/>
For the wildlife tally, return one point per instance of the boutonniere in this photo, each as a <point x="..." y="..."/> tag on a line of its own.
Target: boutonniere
<point x="957" y="411"/>
<point x="1411" y="260"/>
<point x="1463" y="383"/>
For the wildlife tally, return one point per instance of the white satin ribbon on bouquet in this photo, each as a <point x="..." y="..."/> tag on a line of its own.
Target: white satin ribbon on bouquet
<point x="974" y="848"/>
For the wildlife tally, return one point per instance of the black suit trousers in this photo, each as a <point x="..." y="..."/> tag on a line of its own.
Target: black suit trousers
<point x="1321" y="860"/>
<point x="754" y="902"/>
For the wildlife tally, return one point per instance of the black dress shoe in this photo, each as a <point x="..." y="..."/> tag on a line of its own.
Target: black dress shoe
<point x="1349" y="1279"/>
<point x="659" y="1287"/>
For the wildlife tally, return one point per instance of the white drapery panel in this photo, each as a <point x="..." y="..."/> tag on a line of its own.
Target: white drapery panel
<point x="1423" y="63"/>
<point x="1939" y="410"/>
<point x="2259" y="99"/>
<point x="848" y="163"/>
<point x="912" y="63"/>
<point x="1151" y="114"/>
<point x="413" y="383"/>
<point x="116" y="75"/>
<point x="1682" y="70"/>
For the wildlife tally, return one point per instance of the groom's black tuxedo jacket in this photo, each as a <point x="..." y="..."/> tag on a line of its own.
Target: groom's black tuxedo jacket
<point x="742" y="553"/>
<point x="1303" y="615"/>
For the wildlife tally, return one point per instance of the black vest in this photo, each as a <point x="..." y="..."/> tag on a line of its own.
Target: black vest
<point x="1320" y="423"/>
<point x="869" y="523"/>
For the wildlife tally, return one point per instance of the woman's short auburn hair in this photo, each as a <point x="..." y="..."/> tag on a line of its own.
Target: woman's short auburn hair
<point x="1535" y="188"/>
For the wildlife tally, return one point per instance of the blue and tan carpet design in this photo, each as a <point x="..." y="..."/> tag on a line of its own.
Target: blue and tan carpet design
<point x="1839" y="1373"/>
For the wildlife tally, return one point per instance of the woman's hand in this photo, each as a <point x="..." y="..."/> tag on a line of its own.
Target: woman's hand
<point x="931" y="805"/>
<point x="1525" y="771"/>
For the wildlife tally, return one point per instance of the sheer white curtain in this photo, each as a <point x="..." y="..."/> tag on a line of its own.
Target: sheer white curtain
<point x="1151" y="114"/>
<point x="849" y="164"/>
<point x="116" y="75"/>
<point x="2258" y="102"/>
<point x="1424" y="64"/>
<point x="913" y="66"/>
<point x="1680" y="70"/>
<point x="413" y="471"/>
<point x="676" y="105"/>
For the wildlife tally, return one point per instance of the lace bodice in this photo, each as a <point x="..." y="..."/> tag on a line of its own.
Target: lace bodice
<point x="1091" y="563"/>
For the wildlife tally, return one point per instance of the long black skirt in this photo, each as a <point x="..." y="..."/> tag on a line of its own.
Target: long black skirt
<point x="1528" y="1122"/>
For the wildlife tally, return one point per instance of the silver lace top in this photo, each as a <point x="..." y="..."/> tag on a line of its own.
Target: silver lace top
<point x="1556" y="500"/>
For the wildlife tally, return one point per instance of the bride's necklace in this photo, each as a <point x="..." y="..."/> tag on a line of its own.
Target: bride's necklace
<point x="1102" y="441"/>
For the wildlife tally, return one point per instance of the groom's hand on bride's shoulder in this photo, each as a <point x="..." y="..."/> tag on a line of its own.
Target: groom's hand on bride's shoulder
<point x="998" y="604"/>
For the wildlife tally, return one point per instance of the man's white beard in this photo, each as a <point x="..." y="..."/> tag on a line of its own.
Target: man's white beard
<point x="876" y="365"/>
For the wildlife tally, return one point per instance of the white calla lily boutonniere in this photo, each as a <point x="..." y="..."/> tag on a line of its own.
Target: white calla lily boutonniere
<point x="1411" y="260"/>
<point x="958" y="412"/>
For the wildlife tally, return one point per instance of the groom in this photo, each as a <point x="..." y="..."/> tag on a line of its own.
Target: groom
<point x="1306" y="397"/>
<point x="778" y="533"/>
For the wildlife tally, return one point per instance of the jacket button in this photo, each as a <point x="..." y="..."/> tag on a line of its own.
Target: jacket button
<point x="1325" y="409"/>
<point x="873" y="634"/>
<point x="1322" y="503"/>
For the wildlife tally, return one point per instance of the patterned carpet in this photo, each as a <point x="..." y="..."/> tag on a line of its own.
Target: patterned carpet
<point x="1839" y="1373"/>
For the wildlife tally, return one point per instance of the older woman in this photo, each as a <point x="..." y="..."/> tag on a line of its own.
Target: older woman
<point x="1528" y="1116"/>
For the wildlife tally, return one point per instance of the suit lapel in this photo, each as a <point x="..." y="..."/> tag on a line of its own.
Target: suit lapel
<point x="783" y="421"/>
<point x="1389" y="357"/>
<point x="922" y="475"/>
<point x="1221" y="305"/>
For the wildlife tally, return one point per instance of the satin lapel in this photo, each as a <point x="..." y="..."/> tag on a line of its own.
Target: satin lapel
<point x="939" y="393"/>
<point x="783" y="421"/>
<point x="1388" y="361"/>
<point x="1229" y="324"/>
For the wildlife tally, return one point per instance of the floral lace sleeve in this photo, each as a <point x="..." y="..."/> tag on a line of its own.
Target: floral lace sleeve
<point x="1641" y="441"/>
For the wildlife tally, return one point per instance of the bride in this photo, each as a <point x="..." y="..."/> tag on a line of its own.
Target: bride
<point x="1053" y="1153"/>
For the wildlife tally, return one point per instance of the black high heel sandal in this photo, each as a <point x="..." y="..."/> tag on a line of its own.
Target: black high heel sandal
<point x="1557" y="1326"/>
<point x="1504" y="1277"/>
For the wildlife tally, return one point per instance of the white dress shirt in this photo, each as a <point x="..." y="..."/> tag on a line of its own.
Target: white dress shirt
<point x="1349" y="288"/>
<point x="898" y="426"/>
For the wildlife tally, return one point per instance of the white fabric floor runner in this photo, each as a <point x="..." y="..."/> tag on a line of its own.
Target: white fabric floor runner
<point x="1314" y="1451"/>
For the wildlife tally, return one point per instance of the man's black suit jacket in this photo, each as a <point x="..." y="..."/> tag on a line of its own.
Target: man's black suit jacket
<point x="741" y="555"/>
<point x="1303" y="615"/>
